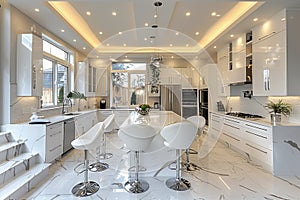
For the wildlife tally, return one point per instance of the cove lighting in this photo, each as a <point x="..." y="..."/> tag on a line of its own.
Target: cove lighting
<point x="72" y="17"/>
<point x="231" y="17"/>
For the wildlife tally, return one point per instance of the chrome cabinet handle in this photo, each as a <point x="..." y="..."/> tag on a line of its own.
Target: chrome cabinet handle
<point x="231" y="137"/>
<point x="256" y="134"/>
<point x="266" y="36"/>
<point x="256" y="148"/>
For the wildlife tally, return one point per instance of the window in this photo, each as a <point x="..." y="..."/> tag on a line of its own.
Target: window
<point x="56" y="73"/>
<point x="55" y="83"/>
<point x="128" y="84"/>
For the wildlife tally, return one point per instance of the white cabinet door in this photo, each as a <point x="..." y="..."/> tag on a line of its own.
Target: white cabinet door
<point x="274" y="25"/>
<point x="169" y="76"/>
<point x="29" y="65"/>
<point x="54" y="141"/>
<point x="101" y="82"/>
<point x="86" y="79"/>
<point x="269" y="66"/>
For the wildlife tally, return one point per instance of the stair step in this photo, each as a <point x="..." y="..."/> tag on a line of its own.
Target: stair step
<point x="18" y="186"/>
<point x="15" y="165"/>
<point x="4" y="133"/>
<point x="5" y="137"/>
<point x="8" y="150"/>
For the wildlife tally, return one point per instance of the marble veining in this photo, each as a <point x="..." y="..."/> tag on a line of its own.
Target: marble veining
<point x="223" y="175"/>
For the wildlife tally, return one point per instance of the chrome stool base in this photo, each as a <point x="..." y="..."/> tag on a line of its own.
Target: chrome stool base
<point x="85" y="189"/>
<point x="98" y="167"/>
<point x="178" y="184"/>
<point x="136" y="186"/>
<point x="191" y="167"/>
<point x="105" y="156"/>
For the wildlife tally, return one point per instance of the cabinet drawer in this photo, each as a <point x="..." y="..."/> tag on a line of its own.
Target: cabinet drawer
<point x="259" y="153"/>
<point x="54" y="136"/>
<point x="258" y="134"/>
<point x="54" y="152"/>
<point x="232" y="126"/>
<point x="232" y="140"/>
<point x="216" y="121"/>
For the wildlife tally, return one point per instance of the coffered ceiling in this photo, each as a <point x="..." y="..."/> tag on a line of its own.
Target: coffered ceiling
<point x="125" y="25"/>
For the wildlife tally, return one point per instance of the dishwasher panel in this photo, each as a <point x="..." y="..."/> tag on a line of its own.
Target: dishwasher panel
<point x="69" y="134"/>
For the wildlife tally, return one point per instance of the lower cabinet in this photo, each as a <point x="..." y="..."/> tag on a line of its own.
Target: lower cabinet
<point x="84" y="122"/>
<point x="252" y="139"/>
<point x="54" y="141"/>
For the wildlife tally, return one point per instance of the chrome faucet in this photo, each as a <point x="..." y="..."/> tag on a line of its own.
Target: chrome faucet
<point x="69" y="103"/>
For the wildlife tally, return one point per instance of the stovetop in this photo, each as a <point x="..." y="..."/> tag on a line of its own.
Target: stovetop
<point x="243" y="115"/>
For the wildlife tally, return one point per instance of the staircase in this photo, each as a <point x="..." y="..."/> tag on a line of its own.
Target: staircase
<point x="20" y="171"/>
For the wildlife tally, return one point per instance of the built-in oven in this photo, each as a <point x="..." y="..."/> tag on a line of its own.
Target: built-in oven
<point x="189" y="102"/>
<point x="203" y="104"/>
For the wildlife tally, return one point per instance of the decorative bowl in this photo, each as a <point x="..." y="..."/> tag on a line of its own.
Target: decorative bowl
<point x="141" y="111"/>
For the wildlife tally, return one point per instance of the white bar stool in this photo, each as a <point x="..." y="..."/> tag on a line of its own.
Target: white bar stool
<point x="88" y="141"/>
<point x="137" y="138"/>
<point x="179" y="136"/>
<point x="198" y="121"/>
<point x="100" y="166"/>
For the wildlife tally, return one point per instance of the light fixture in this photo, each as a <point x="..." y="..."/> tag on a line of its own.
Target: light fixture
<point x="213" y="14"/>
<point x="100" y="32"/>
<point x="37" y="10"/>
<point x="157" y="4"/>
<point x="84" y="48"/>
<point x="74" y="40"/>
<point x="215" y="47"/>
<point x="187" y="14"/>
<point x="231" y="35"/>
<point x="120" y="33"/>
<point x="146" y="24"/>
<point x="62" y="30"/>
<point x="255" y="19"/>
<point x="114" y="13"/>
<point x="88" y="13"/>
<point x="197" y="33"/>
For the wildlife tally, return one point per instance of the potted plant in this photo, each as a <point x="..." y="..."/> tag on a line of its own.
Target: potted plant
<point x="143" y="109"/>
<point x="276" y="109"/>
<point x="76" y="95"/>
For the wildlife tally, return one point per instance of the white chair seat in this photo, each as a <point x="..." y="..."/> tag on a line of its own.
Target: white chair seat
<point x="89" y="140"/>
<point x="179" y="135"/>
<point x="198" y="121"/>
<point x="137" y="137"/>
<point x="109" y="123"/>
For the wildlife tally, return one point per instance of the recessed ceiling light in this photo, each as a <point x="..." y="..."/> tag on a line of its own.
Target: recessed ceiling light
<point x="218" y="15"/>
<point x="88" y="13"/>
<point x="83" y="48"/>
<point x="197" y="33"/>
<point x="172" y="57"/>
<point x="120" y="33"/>
<point x="145" y="39"/>
<point x="37" y="10"/>
<point x="97" y="56"/>
<point x="74" y="40"/>
<point x="187" y="14"/>
<point x="171" y="45"/>
<point x="255" y="19"/>
<point x="124" y="45"/>
<point x="231" y="35"/>
<point x="155" y="16"/>
<point x="146" y="24"/>
<point x="100" y="32"/>
<point x="62" y="30"/>
<point x="114" y="13"/>
<point x="215" y="47"/>
<point x="107" y="44"/>
<point x="213" y="14"/>
<point x="187" y="45"/>
<point x="282" y="19"/>
<point x="177" y="33"/>
<point x="157" y="3"/>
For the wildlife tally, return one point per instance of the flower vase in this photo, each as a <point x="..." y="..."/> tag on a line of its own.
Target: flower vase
<point x="275" y="119"/>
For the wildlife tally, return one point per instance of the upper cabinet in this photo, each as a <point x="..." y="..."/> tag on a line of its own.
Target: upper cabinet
<point x="276" y="52"/>
<point x="91" y="79"/>
<point x="235" y="60"/>
<point x="29" y="65"/>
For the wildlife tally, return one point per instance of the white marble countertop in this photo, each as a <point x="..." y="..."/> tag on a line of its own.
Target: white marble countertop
<point x="261" y="121"/>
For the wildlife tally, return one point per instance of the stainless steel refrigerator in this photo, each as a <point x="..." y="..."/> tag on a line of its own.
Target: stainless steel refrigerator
<point x="170" y="98"/>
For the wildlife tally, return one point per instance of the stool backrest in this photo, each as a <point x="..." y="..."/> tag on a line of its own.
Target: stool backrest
<point x="137" y="137"/>
<point x="90" y="139"/>
<point x="179" y="135"/>
<point x="109" y="123"/>
<point x="198" y="121"/>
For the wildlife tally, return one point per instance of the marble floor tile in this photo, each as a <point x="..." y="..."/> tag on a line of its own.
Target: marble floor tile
<point x="223" y="174"/>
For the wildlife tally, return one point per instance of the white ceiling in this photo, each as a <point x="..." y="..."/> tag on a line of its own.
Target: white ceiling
<point x="133" y="14"/>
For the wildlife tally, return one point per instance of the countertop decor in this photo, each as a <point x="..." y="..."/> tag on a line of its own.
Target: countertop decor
<point x="143" y="109"/>
<point x="276" y="109"/>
